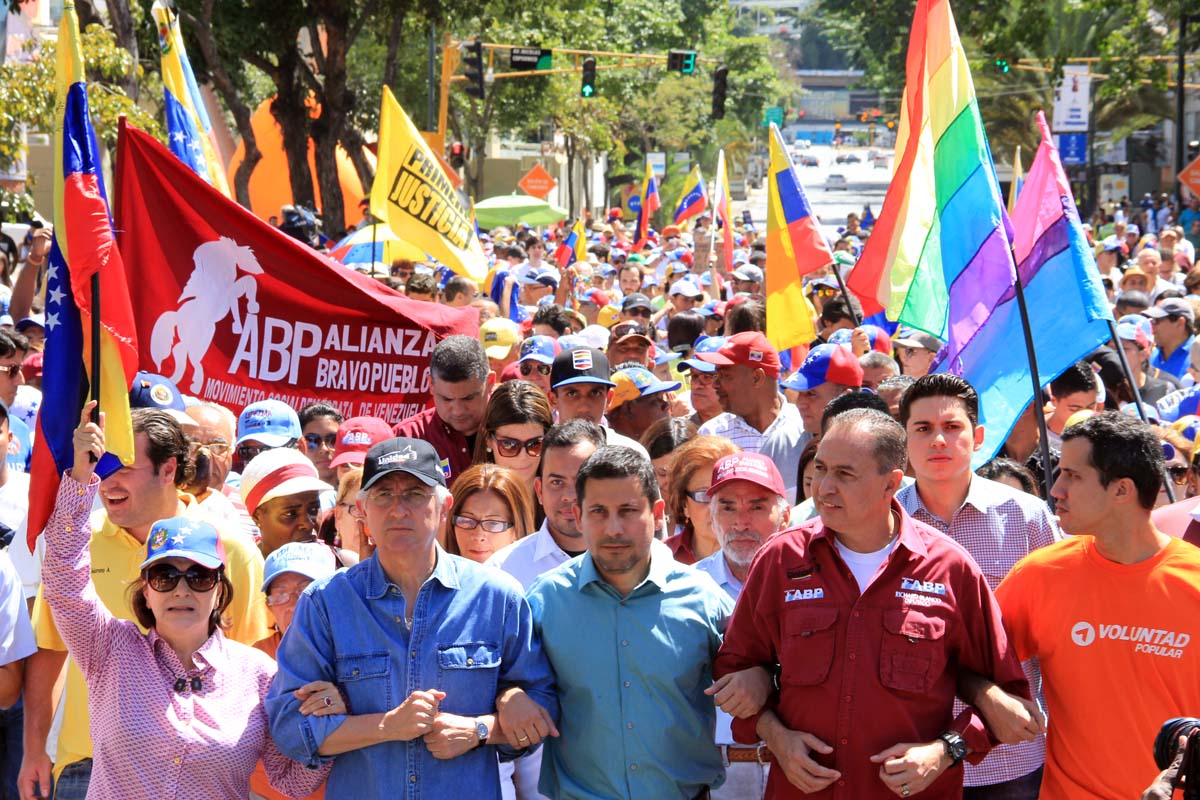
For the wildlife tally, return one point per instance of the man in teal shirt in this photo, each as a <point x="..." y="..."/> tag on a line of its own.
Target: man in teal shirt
<point x="631" y="635"/>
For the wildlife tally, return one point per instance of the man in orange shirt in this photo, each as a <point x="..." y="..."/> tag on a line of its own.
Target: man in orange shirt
<point x="1112" y="613"/>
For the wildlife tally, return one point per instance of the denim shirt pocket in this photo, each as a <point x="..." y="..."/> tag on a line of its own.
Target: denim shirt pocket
<point x="366" y="680"/>
<point x="468" y="672"/>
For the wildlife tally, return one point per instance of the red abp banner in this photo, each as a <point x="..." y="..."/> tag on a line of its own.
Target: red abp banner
<point x="234" y="311"/>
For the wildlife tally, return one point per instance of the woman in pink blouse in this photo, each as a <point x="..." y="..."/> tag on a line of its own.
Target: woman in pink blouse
<point x="175" y="711"/>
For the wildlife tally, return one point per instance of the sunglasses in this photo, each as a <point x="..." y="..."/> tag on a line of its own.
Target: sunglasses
<point x="489" y="525"/>
<point x="164" y="577"/>
<point x="11" y="370"/>
<point x="247" y="452"/>
<point x="529" y="366"/>
<point x="700" y="495"/>
<point x="315" y="440"/>
<point x="1179" y="474"/>
<point x="510" y="447"/>
<point x="644" y="313"/>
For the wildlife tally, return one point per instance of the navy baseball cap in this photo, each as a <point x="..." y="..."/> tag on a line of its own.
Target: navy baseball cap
<point x="708" y="344"/>
<point x="580" y="365"/>
<point x="414" y="457"/>
<point x="635" y="300"/>
<point x="826" y="363"/>
<point x="156" y="391"/>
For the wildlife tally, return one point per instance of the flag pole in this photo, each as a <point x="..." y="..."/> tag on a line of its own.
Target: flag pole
<point x="849" y="304"/>
<point x="1033" y="375"/>
<point x="1137" y="398"/>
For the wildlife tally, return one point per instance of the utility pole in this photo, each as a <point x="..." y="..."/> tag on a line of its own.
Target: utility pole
<point x="431" y="77"/>
<point x="1179" y="97"/>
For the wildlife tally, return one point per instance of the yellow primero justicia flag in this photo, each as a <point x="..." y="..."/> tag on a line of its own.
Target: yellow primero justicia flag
<point x="413" y="195"/>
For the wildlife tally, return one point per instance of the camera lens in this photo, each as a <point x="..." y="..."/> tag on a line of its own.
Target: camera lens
<point x="1166" y="744"/>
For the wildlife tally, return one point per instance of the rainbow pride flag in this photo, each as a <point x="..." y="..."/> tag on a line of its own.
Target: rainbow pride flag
<point x="795" y="247"/>
<point x="83" y="247"/>
<point x="1069" y="313"/>
<point x="943" y="218"/>
<point x="189" y="128"/>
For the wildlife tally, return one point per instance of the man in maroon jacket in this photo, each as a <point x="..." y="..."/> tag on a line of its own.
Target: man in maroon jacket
<point x="868" y="617"/>
<point x="461" y="383"/>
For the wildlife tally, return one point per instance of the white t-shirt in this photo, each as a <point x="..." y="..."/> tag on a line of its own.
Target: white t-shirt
<point x="14" y="513"/>
<point x="864" y="566"/>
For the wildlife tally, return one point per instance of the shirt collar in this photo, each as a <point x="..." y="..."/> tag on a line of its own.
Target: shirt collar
<point x="544" y="544"/>
<point x="981" y="495"/>
<point x="445" y="572"/>
<point x="661" y="562"/>
<point x="908" y="535"/>
<point x="212" y="654"/>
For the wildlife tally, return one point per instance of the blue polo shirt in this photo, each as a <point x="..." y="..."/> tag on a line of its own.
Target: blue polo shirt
<point x="631" y="675"/>
<point x="1179" y="361"/>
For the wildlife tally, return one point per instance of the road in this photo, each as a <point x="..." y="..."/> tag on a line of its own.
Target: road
<point x="865" y="185"/>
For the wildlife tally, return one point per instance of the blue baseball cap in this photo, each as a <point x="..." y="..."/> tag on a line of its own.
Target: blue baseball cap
<point x="310" y="559"/>
<point x="541" y="349"/>
<point x="184" y="537"/>
<point x="607" y="271"/>
<point x="268" y="421"/>
<point x="708" y="344"/>
<point x="158" y="392"/>
<point x="826" y="363"/>
<point x="666" y="357"/>
<point x="679" y="268"/>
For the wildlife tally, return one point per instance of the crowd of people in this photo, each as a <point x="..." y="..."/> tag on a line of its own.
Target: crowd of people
<point x="629" y="550"/>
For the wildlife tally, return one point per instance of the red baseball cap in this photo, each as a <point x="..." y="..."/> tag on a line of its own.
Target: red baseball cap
<point x="355" y="437"/>
<point x="749" y="349"/>
<point x="753" y="467"/>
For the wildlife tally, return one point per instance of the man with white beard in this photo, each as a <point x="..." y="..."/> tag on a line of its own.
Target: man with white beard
<point x="747" y="505"/>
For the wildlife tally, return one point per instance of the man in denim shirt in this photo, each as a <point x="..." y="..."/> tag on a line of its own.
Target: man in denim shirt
<point x="422" y="644"/>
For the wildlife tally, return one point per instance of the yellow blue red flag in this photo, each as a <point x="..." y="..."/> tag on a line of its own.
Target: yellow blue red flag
<point x="573" y="247"/>
<point x="650" y="203"/>
<point x="795" y="247"/>
<point x="83" y="249"/>
<point x="694" y="199"/>
<point x="188" y="124"/>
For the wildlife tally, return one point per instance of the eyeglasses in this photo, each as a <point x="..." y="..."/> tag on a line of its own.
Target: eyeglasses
<point x="315" y="440"/>
<point x="279" y="598"/>
<point x="529" y="366"/>
<point x="218" y="447"/>
<point x="409" y="498"/>
<point x="1178" y="473"/>
<point x="164" y="577"/>
<point x="700" y="495"/>
<point x="247" y="452"/>
<point x="11" y="370"/>
<point x="489" y="525"/>
<point x="510" y="447"/>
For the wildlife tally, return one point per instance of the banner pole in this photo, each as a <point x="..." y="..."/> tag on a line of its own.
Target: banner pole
<point x="1137" y="397"/>
<point x="1033" y="376"/>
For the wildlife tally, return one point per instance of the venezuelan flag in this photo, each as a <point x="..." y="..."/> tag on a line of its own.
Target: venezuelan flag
<point x="188" y="124"/>
<point x="722" y="213"/>
<point x="694" y="199"/>
<point x="649" y="205"/>
<point x="943" y="215"/>
<point x="83" y="248"/>
<point x="573" y="248"/>
<point x="795" y="247"/>
<point x="1018" y="179"/>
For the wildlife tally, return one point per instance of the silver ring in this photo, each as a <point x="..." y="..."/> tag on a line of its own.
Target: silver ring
<point x="522" y="738"/>
<point x="328" y="701"/>
<point x="904" y="790"/>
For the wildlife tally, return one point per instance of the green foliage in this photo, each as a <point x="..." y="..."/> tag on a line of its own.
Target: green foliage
<point x="27" y="92"/>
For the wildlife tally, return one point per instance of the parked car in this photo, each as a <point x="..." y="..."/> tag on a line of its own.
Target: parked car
<point x="848" y="158"/>
<point x="880" y="162"/>
<point x="809" y="161"/>
<point x="835" y="180"/>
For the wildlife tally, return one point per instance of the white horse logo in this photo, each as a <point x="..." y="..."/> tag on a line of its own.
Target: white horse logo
<point x="212" y="291"/>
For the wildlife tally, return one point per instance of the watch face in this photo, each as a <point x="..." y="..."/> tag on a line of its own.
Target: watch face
<point x="481" y="731"/>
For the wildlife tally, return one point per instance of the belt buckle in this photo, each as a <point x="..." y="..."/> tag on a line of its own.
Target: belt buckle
<point x="760" y="751"/>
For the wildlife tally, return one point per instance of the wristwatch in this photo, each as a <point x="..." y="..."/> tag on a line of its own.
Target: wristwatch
<point x="481" y="731"/>
<point x="956" y="747"/>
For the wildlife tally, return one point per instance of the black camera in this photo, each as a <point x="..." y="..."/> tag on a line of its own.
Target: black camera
<point x="1166" y="744"/>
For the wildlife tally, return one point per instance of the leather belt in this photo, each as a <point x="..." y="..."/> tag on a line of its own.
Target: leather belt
<point x="735" y="754"/>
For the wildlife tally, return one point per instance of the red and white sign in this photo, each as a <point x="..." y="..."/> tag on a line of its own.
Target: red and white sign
<point x="234" y="311"/>
<point x="537" y="182"/>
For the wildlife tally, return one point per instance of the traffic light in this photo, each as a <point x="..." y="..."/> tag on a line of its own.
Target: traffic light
<point x="720" y="74"/>
<point x="588" y="88"/>
<point x="1002" y="65"/>
<point x="681" y="61"/>
<point x="473" y="68"/>
<point x="457" y="155"/>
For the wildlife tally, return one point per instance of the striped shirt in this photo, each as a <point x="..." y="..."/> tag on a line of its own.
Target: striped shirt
<point x="998" y="526"/>
<point x="745" y="435"/>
